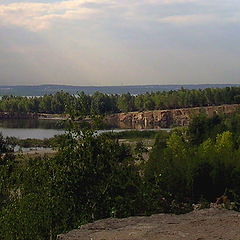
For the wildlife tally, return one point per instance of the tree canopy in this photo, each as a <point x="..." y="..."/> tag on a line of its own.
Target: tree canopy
<point x="99" y="103"/>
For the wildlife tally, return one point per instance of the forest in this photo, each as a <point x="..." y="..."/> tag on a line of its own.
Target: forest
<point x="96" y="176"/>
<point x="100" y="103"/>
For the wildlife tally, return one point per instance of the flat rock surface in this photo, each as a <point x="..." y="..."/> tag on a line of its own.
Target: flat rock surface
<point x="203" y="224"/>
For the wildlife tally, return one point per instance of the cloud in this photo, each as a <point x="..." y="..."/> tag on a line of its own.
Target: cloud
<point x="177" y="1"/>
<point x="189" y="19"/>
<point x="39" y="16"/>
<point x="94" y="42"/>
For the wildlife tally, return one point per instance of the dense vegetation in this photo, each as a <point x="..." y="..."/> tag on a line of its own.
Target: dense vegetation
<point x="201" y="162"/>
<point x="99" y="103"/>
<point x="33" y="143"/>
<point x="94" y="176"/>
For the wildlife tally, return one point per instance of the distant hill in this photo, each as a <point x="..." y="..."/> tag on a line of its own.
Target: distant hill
<point x="40" y="90"/>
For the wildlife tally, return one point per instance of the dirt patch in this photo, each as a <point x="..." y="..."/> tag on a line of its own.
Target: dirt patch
<point x="206" y="224"/>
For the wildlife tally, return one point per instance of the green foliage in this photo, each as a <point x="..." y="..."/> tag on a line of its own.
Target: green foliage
<point x="125" y="103"/>
<point x="136" y="134"/>
<point x="88" y="177"/>
<point x="4" y="145"/>
<point x="196" y="171"/>
<point x="94" y="176"/>
<point x="201" y="127"/>
<point x="82" y="105"/>
<point x="102" y="104"/>
<point x="32" y="143"/>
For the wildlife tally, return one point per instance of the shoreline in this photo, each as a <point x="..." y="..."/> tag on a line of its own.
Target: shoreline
<point x="32" y="116"/>
<point x="57" y="117"/>
<point x="139" y="119"/>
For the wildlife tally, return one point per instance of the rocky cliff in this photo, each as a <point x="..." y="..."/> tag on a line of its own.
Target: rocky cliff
<point x="166" y="118"/>
<point x="208" y="224"/>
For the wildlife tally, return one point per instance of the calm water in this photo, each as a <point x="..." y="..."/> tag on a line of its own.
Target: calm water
<point x="23" y="129"/>
<point x="41" y="129"/>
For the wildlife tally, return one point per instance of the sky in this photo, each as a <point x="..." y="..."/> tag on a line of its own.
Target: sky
<point x="119" y="42"/>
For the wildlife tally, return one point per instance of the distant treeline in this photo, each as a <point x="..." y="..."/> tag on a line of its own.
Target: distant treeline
<point x="100" y="103"/>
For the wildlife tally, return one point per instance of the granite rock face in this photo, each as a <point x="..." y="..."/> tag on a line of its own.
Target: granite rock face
<point x="166" y="118"/>
<point x="206" y="224"/>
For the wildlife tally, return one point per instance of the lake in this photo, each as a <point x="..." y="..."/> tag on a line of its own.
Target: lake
<point x="41" y="129"/>
<point x="23" y="128"/>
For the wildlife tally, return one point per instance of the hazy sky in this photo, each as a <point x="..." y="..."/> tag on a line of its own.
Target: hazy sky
<point x="119" y="42"/>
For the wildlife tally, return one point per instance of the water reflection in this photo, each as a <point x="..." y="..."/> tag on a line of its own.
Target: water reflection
<point x="33" y="123"/>
<point x="40" y="129"/>
<point x="24" y="128"/>
<point x="24" y="133"/>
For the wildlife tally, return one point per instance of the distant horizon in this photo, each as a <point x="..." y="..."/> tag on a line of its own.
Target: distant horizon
<point x="72" y="85"/>
<point x="40" y="90"/>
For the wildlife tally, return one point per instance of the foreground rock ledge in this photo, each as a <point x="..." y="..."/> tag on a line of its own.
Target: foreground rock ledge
<point x="203" y="224"/>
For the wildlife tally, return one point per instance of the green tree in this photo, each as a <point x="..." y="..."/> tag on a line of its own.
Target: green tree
<point x="126" y="103"/>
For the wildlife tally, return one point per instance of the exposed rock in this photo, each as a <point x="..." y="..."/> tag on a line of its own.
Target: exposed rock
<point x="208" y="224"/>
<point x="166" y="118"/>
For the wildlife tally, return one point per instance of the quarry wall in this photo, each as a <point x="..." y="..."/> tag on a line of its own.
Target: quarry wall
<point x="166" y="118"/>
